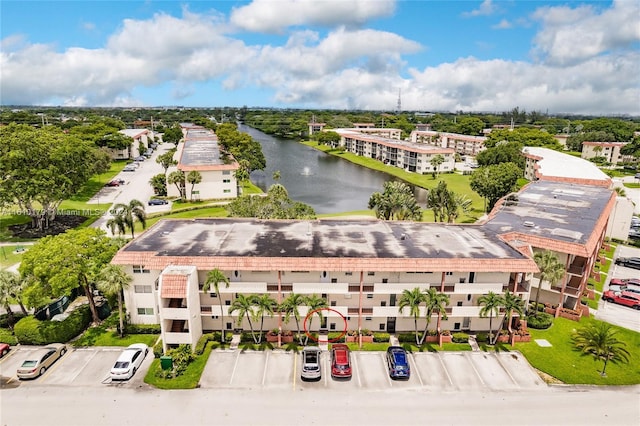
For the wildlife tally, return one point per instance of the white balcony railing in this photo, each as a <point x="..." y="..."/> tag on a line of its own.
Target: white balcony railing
<point x="177" y="338"/>
<point x="478" y="288"/>
<point x="319" y="288"/>
<point x="174" y="313"/>
<point x="244" y="287"/>
<point x="465" y="311"/>
<point x="397" y="288"/>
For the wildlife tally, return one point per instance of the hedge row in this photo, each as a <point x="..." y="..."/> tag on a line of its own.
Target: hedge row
<point x="31" y="331"/>
<point x="540" y="321"/>
<point x="142" y="328"/>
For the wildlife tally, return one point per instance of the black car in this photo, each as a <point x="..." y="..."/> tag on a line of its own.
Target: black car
<point x="398" y="363"/>
<point x="157" y="202"/>
<point x="629" y="262"/>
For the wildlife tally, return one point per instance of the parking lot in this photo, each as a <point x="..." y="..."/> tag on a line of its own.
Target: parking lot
<point x="78" y="367"/>
<point x="439" y="371"/>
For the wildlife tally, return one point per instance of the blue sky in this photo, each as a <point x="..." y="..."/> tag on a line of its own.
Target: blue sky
<point x="560" y="57"/>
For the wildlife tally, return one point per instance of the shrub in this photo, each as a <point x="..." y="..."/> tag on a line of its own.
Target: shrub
<point x="202" y="343"/>
<point x="482" y="337"/>
<point x="7" y="336"/>
<point x="381" y="337"/>
<point x="157" y="349"/>
<point x="540" y="321"/>
<point x="334" y="336"/>
<point x="31" y="331"/>
<point x="182" y="356"/>
<point x="460" y="338"/>
<point x="407" y="338"/>
<point x="142" y="328"/>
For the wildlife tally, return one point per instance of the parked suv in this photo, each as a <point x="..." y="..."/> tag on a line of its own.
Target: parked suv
<point x="623" y="298"/>
<point x="398" y="363"/>
<point x="340" y="361"/>
<point x="629" y="262"/>
<point x="311" y="369"/>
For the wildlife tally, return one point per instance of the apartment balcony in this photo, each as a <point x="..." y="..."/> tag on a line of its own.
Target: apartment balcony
<point x="464" y="311"/>
<point x="395" y="288"/>
<point x="214" y="310"/>
<point x="523" y="287"/>
<point x="319" y="288"/>
<point x="385" y="311"/>
<point x="171" y="338"/>
<point x="478" y="288"/>
<point x="177" y="326"/>
<point x="244" y="287"/>
<point x="174" y="313"/>
<point x="577" y="267"/>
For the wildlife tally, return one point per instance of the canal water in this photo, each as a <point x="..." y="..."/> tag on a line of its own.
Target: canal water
<point x="325" y="182"/>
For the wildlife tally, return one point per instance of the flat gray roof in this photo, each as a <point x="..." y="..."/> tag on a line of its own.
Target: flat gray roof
<point x="200" y="149"/>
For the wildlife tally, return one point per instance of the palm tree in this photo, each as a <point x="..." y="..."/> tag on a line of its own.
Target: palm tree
<point x="315" y="303"/>
<point x="550" y="270"/>
<point x="124" y="216"/>
<point x="397" y="201"/>
<point x="177" y="178"/>
<point x="215" y="277"/>
<point x="194" y="177"/>
<point x="244" y="305"/>
<point x="491" y="303"/>
<point x="435" y="303"/>
<point x="112" y="281"/>
<point x="511" y="303"/>
<point x="599" y="339"/>
<point x="412" y="299"/>
<point x="264" y="305"/>
<point x="276" y="176"/>
<point x="435" y="162"/>
<point x="290" y="307"/>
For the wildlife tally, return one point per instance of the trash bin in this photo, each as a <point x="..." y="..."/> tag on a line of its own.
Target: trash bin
<point x="166" y="362"/>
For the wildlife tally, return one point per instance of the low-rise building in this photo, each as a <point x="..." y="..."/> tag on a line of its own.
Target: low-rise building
<point x="462" y="144"/>
<point x="549" y="165"/>
<point x="610" y="151"/>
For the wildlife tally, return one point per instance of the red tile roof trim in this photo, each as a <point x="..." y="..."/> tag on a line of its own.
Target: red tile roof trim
<point x="173" y="286"/>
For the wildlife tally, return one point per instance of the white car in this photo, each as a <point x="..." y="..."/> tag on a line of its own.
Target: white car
<point x="129" y="361"/>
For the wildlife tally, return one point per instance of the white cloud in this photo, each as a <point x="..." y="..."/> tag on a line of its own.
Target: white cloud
<point x="503" y="25"/>
<point x="271" y="16"/>
<point x="570" y="36"/>
<point x="486" y="8"/>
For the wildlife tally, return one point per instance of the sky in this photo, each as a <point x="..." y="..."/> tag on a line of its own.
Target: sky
<point x="578" y="57"/>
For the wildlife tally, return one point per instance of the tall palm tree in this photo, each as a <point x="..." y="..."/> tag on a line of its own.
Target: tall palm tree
<point x="314" y="302"/>
<point x="290" y="307"/>
<point x="550" y="270"/>
<point x="435" y="302"/>
<point x="112" y="281"/>
<point x="244" y="305"/>
<point x="599" y="339"/>
<point x="214" y="278"/>
<point x="491" y="303"/>
<point x="264" y="305"/>
<point x="125" y="216"/>
<point x="435" y="162"/>
<point x="177" y="178"/>
<point x="511" y="303"/>
<point x="412" y="299"/>
<point x="396" y="202"/>
<point x="194" y="177"/>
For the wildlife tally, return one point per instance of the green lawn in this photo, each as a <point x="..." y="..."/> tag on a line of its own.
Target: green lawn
<point x="188" y="380"/>
<point x="8" y="257"/>
<point x="103" y="336"/>
<point x="564" y="363"/>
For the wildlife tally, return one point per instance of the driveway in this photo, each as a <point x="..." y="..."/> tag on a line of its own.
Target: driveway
<point x="442" y="371"/>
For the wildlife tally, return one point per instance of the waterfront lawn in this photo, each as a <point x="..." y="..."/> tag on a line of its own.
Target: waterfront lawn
<point x="188" y="380"/>
<point x="566" y="364"/>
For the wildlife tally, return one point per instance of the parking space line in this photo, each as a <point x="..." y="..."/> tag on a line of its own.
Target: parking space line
<point x="386" y="368"/>
<point x="327" y="370"/>
<point x="444" y="367"/>
<point x="295" y="365"/>
<point x="266" y="365"/>
<point x="85" y="364"/>
<point x="415" y="365"/>
<point x="235" y="365"/>
<point x="505" y="369"/>
<point x="355" y="365"/>
<point x="474" y="368"/>
<point x="55" y="365"/>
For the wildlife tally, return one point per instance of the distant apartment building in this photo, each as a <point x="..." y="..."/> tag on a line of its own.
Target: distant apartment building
<point x="406" y="155"/>
<point x="201" y="152"/>
<point x="141" y="138"/>
<point x="461" y="144"/>
<point x="549" y="165"/>
<point x="610" y="151"/>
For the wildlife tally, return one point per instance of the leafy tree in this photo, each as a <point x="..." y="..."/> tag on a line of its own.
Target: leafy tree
<point x="525" y="136"/>
<point x="574" y="142"/>
<point x="551" y="270"/>
<point x="289" y="307"/>
<point x="39" y="168"/>
<point x="177" y="178"/>
<point x="491" y="303"/>
<point x="10" y="287"/>
<point x="242" y="173"/>
<point x="600" y="340"/>
<point x="166" y="160"/>
<point x="622" y="131"/>
<point x="112" y="281"/>
<point x="159" y="184"/>
<point x="125" y="216"/>
<point x="314" y="303"/>
<point x="396" y="202"/>
<point x="472" y="126"/>
<point x="277" y="175"/>
<point x="275" y="205"/>
<point x="244" y="306"/>
<point x="58" y="264"/>
<point x="215" y="277"/>
<point x="412" y="299"/>
<point x="494" y="182"/>
<point x="329" y="138"/>
<point x="172" y="134"/>
<point x="194" y="177"/>
<point x="506" y="152"/>
<point x="435" y="303"/>
<point x="265" y="305"/>
<point x="632" y="148"/>
<point x="241" y="145"/>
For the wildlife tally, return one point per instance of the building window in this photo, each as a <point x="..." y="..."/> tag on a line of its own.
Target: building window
<point x="226" y="191"/>
<point x="142" y="289"/>
<point x="381" y="327"/>
<point x="383" y="303"/>
<point x="333" y="303"/>
<point x="459" y="304"/>
<point x="334" y="280"/>
<point x="229" y="325"/>
<point x="367" y="318"/>
<point x="139" y="269"/>
<point x="145" y="311"/>
<point x="448" y="273"/>
<point x="371" y="273"/>
<point x="369" y="296"/>
<point x="226" y="180"/>
<point x="215" y="317"/>
<point x="332" y="326"/>
<point x="348" y="274"/>
<point x="213" y="294"/>
<point x="226" y="172"/>
<point x="227" y="302"/>
<point x="385" y="280"/>
<point x="468" y="298"/>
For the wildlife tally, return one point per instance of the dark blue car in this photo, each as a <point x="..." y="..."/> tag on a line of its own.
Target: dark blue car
<point x="398" y="363"/>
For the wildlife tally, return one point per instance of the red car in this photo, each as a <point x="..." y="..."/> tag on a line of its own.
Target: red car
<point x="623" y="298"/>
<point x="340" y="361"/>
<point x="625" y="281"/>
<point x="4" y="349"/>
